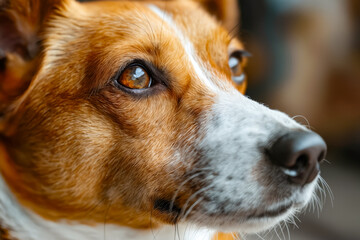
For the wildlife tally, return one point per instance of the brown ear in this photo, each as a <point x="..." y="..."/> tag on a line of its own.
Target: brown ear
<point x="20" y="25"/>
<point x="226" y="11"/>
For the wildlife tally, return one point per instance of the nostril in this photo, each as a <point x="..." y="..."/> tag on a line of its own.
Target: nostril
<point x="301" y="162"/>
<point x="300" y="165"/>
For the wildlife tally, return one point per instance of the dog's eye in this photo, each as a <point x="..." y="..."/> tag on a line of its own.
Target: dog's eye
<point x="236" y="71"/>
<point x="135" y="77"/>
<point x="235" y="63"/>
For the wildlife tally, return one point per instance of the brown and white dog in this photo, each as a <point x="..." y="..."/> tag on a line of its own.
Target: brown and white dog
<point x="127" y="120"/>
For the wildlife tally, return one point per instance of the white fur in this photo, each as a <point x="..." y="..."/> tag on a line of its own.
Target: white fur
<point x="201" y="72"/>
<point x="234" y="129"/>
<point x="25" y="225"/>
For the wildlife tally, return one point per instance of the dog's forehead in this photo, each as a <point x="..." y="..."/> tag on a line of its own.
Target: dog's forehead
<point x="103" y="36"/>
<point x="157" y="19"/>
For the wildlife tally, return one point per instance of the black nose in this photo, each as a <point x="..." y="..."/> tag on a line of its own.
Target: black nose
<point x="299" y="154"/>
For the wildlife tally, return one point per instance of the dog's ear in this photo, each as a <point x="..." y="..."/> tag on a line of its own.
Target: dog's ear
<point x="226" y="11"/>
<point x="21" y="22"/>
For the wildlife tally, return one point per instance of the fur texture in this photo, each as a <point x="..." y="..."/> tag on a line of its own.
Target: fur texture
<point x="85" y="159"/>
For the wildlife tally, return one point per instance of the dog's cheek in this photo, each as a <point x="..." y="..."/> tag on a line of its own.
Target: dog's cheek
<point x="140" y="145"/>
<point x="154" y="158"/>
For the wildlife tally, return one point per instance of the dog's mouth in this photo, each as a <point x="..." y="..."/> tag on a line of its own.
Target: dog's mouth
<point x="271" y="213"/>
<point x="167" y="208"/>
<point x="173" y="211"/>
<point x="230" y="212"/>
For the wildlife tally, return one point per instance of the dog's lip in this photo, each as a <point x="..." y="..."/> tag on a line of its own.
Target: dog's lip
<point x="271" y="213"/>
<point x="166" y="206"/>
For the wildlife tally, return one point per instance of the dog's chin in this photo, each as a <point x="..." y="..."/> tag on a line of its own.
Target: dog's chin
<point x="258" y="220"/>
<point x="261" y="223"/>
<point x="250" y="224"/>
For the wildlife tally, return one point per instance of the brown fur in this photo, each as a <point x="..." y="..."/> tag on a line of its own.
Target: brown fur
<point x="79" y="147"/>
<point x="4" y="234"/>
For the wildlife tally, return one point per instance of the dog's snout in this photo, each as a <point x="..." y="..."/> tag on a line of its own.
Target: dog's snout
<point x="298" y="154"/>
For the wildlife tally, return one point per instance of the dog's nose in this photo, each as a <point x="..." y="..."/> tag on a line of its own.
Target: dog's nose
<point x="299" y="154"/>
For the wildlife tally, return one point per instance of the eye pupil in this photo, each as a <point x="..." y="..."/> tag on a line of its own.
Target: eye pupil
<point x="135" y="77"/>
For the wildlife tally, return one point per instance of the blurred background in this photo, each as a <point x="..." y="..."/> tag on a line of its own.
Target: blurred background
<point x="306" y="62"/>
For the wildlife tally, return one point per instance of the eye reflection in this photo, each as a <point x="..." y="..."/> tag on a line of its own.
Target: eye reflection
<point x="236" y="70"/>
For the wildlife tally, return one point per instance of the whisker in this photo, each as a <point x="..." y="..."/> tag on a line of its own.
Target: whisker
<point x="105" y="218"/>
<point x="238" y="236"/>
<point x="297" y="218"/>
<point x="292" y="221"/>
<point x="304" y="118"/>
<point x="317" y="205"/>
<point x="328" y="189"/>
<point x="259" y="236"/>
<point x="326" y="161"/>
<point x="192" y="207"/>
<point x="180" y="187"/>
<point x="277" y="234"/>
<point x="322" y="194"/>
<point x="176" y="231"/>
<point x="281" y="229"/>
<point x="193" y="196"/>
<point x="241" y="237"/>
<point x="268" y="232"/>
<point x="288" y="230"/>
<point x="235" y="236"/>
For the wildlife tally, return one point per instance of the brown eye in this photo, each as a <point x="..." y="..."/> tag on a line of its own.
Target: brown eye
<point x="236" y="69"/>
<point x="135" y="77"/>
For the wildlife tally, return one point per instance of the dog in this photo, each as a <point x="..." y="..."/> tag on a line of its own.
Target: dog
<point x="128" y="120"/>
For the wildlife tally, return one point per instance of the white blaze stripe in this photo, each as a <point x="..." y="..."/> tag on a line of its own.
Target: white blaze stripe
<point x="188" y="47"/>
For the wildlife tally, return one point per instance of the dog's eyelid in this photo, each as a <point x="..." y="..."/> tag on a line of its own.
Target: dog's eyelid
<point x="241" y="54"/>
<point x="245" y="53"/>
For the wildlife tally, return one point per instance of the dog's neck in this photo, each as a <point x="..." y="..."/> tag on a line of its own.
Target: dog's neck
<point x="19" y="223"/>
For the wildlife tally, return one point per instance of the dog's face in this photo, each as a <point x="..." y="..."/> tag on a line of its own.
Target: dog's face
<point x="136" y="114"/>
